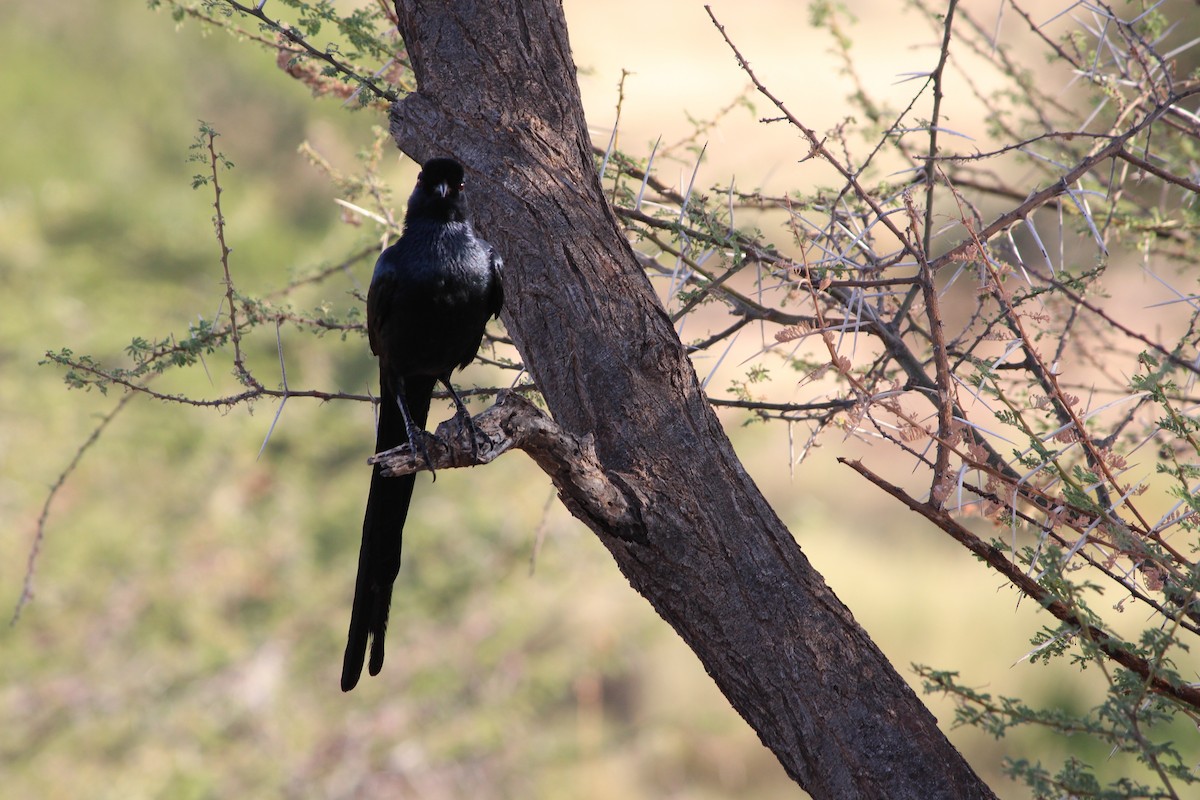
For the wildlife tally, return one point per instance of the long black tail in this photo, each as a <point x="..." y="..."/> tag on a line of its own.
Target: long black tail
<point x="383" y="530"/>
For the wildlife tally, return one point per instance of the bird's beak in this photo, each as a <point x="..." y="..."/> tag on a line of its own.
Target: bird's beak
<point x="442" y="190"/>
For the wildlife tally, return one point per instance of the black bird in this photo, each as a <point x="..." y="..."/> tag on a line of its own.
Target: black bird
<point x="430" y="297"/>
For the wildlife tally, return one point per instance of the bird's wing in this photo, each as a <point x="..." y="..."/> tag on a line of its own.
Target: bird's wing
<point x="381" y="296"/>
<point x="496" y="293"/>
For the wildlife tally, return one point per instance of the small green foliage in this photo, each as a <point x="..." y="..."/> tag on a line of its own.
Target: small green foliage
<point x="203" y="152"/>
<point x="740" y="388"/>
<point x="363" y="53"/>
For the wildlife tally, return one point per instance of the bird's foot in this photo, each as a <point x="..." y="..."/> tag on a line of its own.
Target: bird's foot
<point x="418" y="441"/>
<point x="468" y="423"/>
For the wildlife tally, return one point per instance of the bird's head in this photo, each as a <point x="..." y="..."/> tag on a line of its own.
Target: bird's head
<point x="439" y="192"/>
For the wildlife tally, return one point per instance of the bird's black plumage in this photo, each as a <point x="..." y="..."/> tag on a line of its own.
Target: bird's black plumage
<point x="430" y="297"/>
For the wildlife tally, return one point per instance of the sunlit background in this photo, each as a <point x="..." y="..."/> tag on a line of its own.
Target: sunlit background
<point x="191" y="598"/>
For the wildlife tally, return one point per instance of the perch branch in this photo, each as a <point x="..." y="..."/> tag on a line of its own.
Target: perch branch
<point x="513" y="423"/>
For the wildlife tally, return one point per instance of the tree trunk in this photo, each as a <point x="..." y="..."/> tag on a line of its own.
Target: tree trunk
<point x="497" y="90"/>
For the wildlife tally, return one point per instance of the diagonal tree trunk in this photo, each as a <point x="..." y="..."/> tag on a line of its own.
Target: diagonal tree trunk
<point x="497" y="90"/>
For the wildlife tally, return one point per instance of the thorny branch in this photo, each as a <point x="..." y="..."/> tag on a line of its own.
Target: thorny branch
<point x="1068" y="479"/>
<point x="295" y="37"/>
<point x="239" y="364"/>
<point x="997" y="560"/>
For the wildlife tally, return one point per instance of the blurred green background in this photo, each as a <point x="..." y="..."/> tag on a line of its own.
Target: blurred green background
<point x="191" y="601"/>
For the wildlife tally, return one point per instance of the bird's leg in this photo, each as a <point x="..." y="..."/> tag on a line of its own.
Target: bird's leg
<point x="460" y="410"/>
<point x="416" y="436"/>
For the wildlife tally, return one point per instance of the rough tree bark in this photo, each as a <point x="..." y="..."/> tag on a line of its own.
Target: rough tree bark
<point x="498" y="91"/>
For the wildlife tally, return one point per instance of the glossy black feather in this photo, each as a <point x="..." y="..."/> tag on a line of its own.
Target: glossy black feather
<point x="431" y="295"/>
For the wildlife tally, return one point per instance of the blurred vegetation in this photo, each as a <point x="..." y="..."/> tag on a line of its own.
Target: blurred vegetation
<point x="191" y="597"/>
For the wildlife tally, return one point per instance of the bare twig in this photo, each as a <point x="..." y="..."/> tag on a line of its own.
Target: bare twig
<point x="39" y="535"/>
